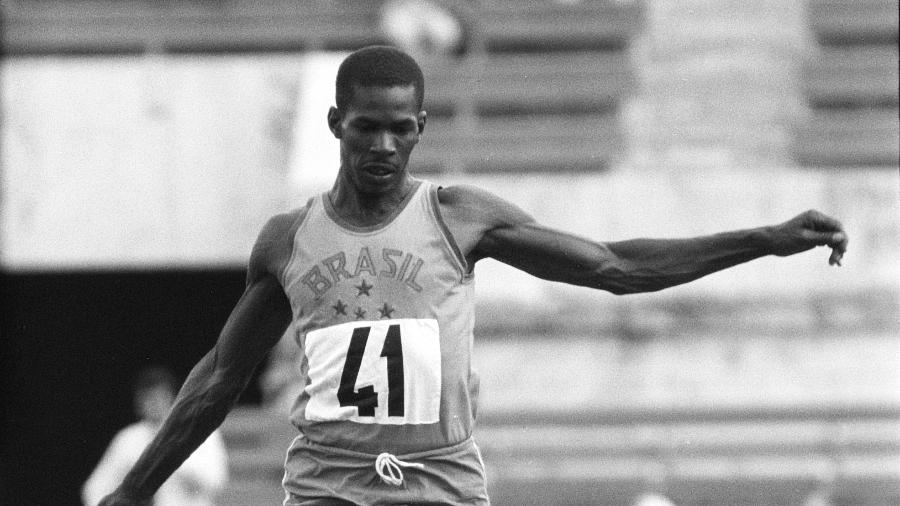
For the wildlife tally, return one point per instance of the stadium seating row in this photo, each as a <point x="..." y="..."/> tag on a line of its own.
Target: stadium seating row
<point x="851" y="86"/>
<point x="529" y="67"/>
<point x="501" y="109"/>
<point x="737" y="460"/>
<point x="107" y="26"/>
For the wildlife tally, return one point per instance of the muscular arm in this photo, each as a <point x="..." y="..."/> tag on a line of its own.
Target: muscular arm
<point x="507" y="234"/>
<point x="638" y="265"/>
<point x="213" y="386"/>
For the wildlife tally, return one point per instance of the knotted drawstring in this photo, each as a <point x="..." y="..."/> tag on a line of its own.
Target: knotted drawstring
<point x="388" y="468"/>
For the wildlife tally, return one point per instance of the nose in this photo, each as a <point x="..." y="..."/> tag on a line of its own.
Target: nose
<point x="384" y="144"/>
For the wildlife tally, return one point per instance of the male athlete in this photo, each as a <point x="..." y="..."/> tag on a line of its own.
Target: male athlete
<point x="377" y="277"/>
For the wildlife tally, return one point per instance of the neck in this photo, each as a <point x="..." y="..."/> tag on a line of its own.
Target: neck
<point x="368" y="208"/>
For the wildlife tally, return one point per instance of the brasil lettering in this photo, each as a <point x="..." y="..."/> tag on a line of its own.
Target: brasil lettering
<point x="394" y="264"/>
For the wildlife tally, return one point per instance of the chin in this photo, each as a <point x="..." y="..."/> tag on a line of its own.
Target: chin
<point x="372" y="184"/>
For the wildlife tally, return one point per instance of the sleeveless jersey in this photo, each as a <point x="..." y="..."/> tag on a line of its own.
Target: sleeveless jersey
<point x="383" y="317"/>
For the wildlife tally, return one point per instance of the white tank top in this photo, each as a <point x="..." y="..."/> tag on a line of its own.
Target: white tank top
<point x="383" y="318"/>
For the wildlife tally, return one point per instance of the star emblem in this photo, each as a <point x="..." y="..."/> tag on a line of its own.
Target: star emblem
<point x="360" y="313"/>
<point x="340" y="308"/>
<point x="364" y="288"/>
<point x="385" y="311"/>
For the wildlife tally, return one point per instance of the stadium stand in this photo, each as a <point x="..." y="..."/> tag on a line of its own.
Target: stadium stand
<point x="525" y="88"/>
<point x="525" y="112"/>
<point x="703" y="457"/>
<point x="851" y="85"/>
<point x="37" y="27"/>
<point x="529" y="96"/>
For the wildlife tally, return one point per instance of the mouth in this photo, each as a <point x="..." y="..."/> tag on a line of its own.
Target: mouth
<point x="380" y="169"/>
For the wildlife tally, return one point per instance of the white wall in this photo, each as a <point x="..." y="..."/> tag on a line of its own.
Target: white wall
<point x="142" y="161"/>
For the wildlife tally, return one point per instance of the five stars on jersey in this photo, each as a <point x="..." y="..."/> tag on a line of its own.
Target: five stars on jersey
<point x="364" y="288"/>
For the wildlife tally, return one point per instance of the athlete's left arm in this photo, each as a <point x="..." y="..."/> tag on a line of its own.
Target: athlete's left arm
<point x="638" y="265"/>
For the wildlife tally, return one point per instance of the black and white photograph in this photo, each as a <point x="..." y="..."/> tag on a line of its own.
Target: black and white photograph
<point x="449" y="252"/>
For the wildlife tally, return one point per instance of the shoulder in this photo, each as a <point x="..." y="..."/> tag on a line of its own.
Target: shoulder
<point x="470" y="203"/>
<point x="471" y="213"/>
<point x="282" y="226"/>
<point x="274" y="243"/>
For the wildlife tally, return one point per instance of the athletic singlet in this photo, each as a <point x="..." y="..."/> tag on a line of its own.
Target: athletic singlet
<point x="383" y="318"/>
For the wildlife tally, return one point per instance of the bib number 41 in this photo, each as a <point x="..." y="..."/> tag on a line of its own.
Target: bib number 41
<point x="382" y="372"/>
<point x="366" y="398"/>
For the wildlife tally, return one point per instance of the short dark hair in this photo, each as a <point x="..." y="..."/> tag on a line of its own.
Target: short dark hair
<point x="153" y="377"/>
<point x="378" y="66"/>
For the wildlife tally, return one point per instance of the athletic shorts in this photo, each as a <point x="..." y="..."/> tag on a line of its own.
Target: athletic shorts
<point x="317" y="475"/>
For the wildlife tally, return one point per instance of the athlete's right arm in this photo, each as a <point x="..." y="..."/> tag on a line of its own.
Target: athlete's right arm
<point x="255" y="325"/>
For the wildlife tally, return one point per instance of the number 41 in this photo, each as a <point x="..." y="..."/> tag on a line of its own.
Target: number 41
<point x="366" y="398"/>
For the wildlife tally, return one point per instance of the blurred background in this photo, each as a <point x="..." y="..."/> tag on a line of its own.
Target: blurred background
<point x="144" y="144"/>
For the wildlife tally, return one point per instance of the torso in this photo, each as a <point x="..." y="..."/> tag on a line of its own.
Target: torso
<point x="391" y="304"/>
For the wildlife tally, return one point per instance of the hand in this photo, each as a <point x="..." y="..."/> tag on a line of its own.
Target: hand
<point x="807" y="231"/>
<point x="121" y="498"/>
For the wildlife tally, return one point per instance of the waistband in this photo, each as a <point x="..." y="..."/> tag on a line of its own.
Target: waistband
<point x="436" y="452"/>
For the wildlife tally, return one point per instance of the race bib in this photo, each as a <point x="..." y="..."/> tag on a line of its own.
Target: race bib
<point x="385" y="372"/>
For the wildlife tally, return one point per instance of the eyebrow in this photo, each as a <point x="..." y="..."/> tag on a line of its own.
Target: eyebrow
<point x="367" y="120"/>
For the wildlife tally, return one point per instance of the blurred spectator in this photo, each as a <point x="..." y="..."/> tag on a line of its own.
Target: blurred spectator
<point x="425" y="28"/>
<point x="652" y="499"/>
<point x="195" y="483"/>
<point x="821" y="496"/>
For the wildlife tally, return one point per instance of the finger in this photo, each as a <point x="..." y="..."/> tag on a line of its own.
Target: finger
<point x="839" y="241"/>
<point x="835" y="258"/>
<point x="832" y="239"/>
<point x="838" y="245"/>
<point x="814" y="238"/>
<point x="824" y="223"/>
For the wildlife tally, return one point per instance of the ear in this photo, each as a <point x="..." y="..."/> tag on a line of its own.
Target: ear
<point x="334" y="122"/>
<point x="421" y="120"/>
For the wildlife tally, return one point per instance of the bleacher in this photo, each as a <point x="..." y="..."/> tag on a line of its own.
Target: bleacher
<point x="720" y="457"/>
<point x="530" y="97"/>
<point x="527" y="97"/>
<point x="851" y="86"/>
<point x="527" y="88"/>
<point x="103" y="27"/>
<point x="524" y="113"/>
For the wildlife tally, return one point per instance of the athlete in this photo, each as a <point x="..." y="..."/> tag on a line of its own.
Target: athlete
<point x="377" y="277"/>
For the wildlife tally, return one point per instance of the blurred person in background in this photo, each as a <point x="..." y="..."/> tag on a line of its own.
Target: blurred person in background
<point x="652" y="499"/>
<point x="195" y="483"/>
<point x="376" y="276"/>
<point x="428" y="28"/>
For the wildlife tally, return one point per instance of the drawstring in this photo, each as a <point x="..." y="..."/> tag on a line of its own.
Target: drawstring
<point x="388" y="468"/>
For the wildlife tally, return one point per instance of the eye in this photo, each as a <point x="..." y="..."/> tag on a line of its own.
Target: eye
<point x="403" y="128"/>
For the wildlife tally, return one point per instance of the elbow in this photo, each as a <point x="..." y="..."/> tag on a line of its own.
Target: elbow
<point x="620" y="278"/>
<point x="630" y="284"/>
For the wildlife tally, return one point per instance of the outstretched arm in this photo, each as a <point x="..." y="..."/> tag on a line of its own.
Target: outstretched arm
<point x="213" y="386"/>
<point x="640" y="265"/>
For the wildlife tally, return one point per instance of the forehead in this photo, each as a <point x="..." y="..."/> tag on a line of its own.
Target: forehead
<point x="379" y="100"/>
